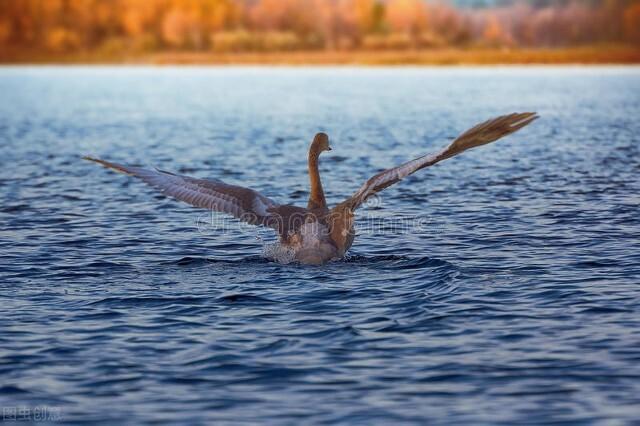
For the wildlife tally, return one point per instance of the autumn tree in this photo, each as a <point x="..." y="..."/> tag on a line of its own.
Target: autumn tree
<point x="632" y="23"/>
<point x="113" y="26"/>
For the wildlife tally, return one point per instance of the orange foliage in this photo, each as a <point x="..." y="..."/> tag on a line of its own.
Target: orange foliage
<point x="493" y="33"/>
<point x="273" y="25"/>
<point x="409" y="16"/>
<point x="632" y="22"/>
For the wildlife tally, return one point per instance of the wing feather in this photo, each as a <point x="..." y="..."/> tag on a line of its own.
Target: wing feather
<point x="243" y="203"/>
<point x="481" y="134"/>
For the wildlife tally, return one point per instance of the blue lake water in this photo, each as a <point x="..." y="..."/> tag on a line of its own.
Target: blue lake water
<point x="499" y="287"/>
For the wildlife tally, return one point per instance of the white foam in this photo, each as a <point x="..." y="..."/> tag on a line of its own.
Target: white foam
<point x="279" y="253"/>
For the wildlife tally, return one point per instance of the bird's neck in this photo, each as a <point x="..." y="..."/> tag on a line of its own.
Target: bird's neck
<point x="316" y="197"/>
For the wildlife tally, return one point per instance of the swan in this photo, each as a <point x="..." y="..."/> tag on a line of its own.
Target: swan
<point x="315" y="234"/>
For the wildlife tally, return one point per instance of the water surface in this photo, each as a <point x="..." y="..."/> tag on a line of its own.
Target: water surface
<point x="498" y="287"/>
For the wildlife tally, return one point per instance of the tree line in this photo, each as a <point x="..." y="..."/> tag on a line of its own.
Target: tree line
<point x="115" y="26"/>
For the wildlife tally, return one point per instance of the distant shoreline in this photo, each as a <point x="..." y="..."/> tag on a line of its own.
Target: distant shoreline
<point x="589" y="55"/>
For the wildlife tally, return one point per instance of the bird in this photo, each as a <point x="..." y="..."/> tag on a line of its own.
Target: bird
<point x="315" y="234"/>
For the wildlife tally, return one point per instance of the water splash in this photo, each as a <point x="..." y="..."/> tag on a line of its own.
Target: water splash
<point x="279" y="253"/>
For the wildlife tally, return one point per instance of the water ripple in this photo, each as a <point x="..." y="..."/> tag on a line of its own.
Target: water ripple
<point x="514" y="300"/>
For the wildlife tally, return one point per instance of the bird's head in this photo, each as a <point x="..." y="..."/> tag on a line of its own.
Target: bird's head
<point x="321" y="143"/>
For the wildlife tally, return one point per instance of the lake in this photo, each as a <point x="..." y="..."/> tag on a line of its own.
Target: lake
<point x="498" y="287"/>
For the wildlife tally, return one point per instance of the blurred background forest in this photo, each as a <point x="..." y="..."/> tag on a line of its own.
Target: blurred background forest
<point x="36" y="29"/>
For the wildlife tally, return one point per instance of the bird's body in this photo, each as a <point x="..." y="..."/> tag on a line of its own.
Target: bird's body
<point x="316" y="234"/>
<point x="312" y="244"/>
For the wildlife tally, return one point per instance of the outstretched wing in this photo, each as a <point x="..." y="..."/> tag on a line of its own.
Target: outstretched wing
<point x="243" y="203"/>
<point x="481" y="134"/>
